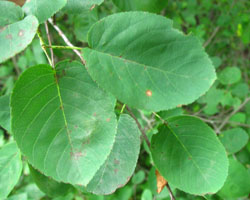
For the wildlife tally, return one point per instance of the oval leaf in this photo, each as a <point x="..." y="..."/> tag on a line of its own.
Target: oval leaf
<point x="16" y="37"/>
<point x="120" y="165"/>
<point x="43" y="9"/>
<point x="49" y="186"/>
<point x="146" y="63"/>
<point x="145" y="5"/>
<point x="234" y="139"/>
<point x="10" y="168"/>
<point x="188" y="154"/>
<point x="62" y="122"/>
<point x="5" y="112"/>
<point x="237" y="183"/>
<point x="9" y="13"/>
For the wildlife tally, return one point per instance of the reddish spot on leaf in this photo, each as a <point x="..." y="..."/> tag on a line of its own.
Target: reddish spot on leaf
<point x="2" y="28"/>
<point x="117" y="162"/>
<point x="115" y="170"/>
<point x="76" y="155"/>
<point x="108" y="119"/>
<point x="9" y="36"/>
<point x="161" y="182"/>
<point x="94" y="114"/>
<point x="149" y="93"/>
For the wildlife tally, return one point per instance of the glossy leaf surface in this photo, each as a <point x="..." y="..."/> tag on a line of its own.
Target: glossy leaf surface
<point x="62" y="122"/>
<point x="120" y="164"/>
<point x="188" y="154"/>
<point x="16" y="37"/>
<point x="43" y="9"/>
<point x="145" y="63"/>
<point x="10" y="168"/>
<point x="9" y="13"/>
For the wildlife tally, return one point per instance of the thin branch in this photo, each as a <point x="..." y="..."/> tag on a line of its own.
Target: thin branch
<point x="211" y="37"/>
<point x="42" y="45"/>
<point x="51" y="50"/>
<point x="62" y="47"/>
<point x="139" y="126"/>
<point x="170" y="192"/>
<point x="148" y="143"/>
<point x="232" y="113"/>
<point x="66" y="40"/>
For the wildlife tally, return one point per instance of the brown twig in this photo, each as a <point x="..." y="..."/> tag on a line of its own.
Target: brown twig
<point x="148" y="143"/>
<point x="211" y="37"/>
<point x="51" y="50"/>
<point x="232" y="113"/>
<point x="139" y="126"/>
<point x="66" y="40"/>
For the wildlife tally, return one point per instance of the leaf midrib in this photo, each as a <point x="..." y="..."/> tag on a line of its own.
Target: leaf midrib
<point x="189" y="154"/>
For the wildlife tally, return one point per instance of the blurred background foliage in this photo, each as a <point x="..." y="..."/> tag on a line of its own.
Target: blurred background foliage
<point x="223" y="26"/>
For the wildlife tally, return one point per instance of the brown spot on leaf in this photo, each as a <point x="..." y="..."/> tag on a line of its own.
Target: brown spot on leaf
<point x="117" y="162"/>
<point x="149" y="93"/>
<point x="94" y="114"/>
<point x="161" y="182"/>
<point x="92" y="7"/>
<point x="76" y="155"/>
<point x="176" y="125"/>
<point x="21" y="33"/>
<point x="179" y="106"/>
<point x="2" y="28"/>
<point x="189" y="158"/>
<point x="76" y="127"/>
<point x="115" y="170"/>
<point x="108" y="119"/>
<point x="8" y="36"/>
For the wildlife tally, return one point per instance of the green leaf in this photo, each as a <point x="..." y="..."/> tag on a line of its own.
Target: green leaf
<point x="237" y="183"/>
<point x="78" y="6"/>
<point x="49" y="186"/>
<point x="5" y="112"/>
<point x="62" y="122"/>
<point x="120" y="164"/>
<point x="234" y="139"/>
<point x="188" y="154"/>
<point x="43" y="9"/>
<point x="10" y="168"/>
<point x="239" y="117"/>
<point x="22" y="196"/>
<point x="138" y="177"/>
<point x="83" y="22"/>
<point x="9" y="13"/>
<point x="145" y="63"/>
<point x="16" y="37"/>
<point x="146" y="195"/>
<point x="229" y="75"/>
<point x="240" y="90"/>
<point x="145" y="5"/>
